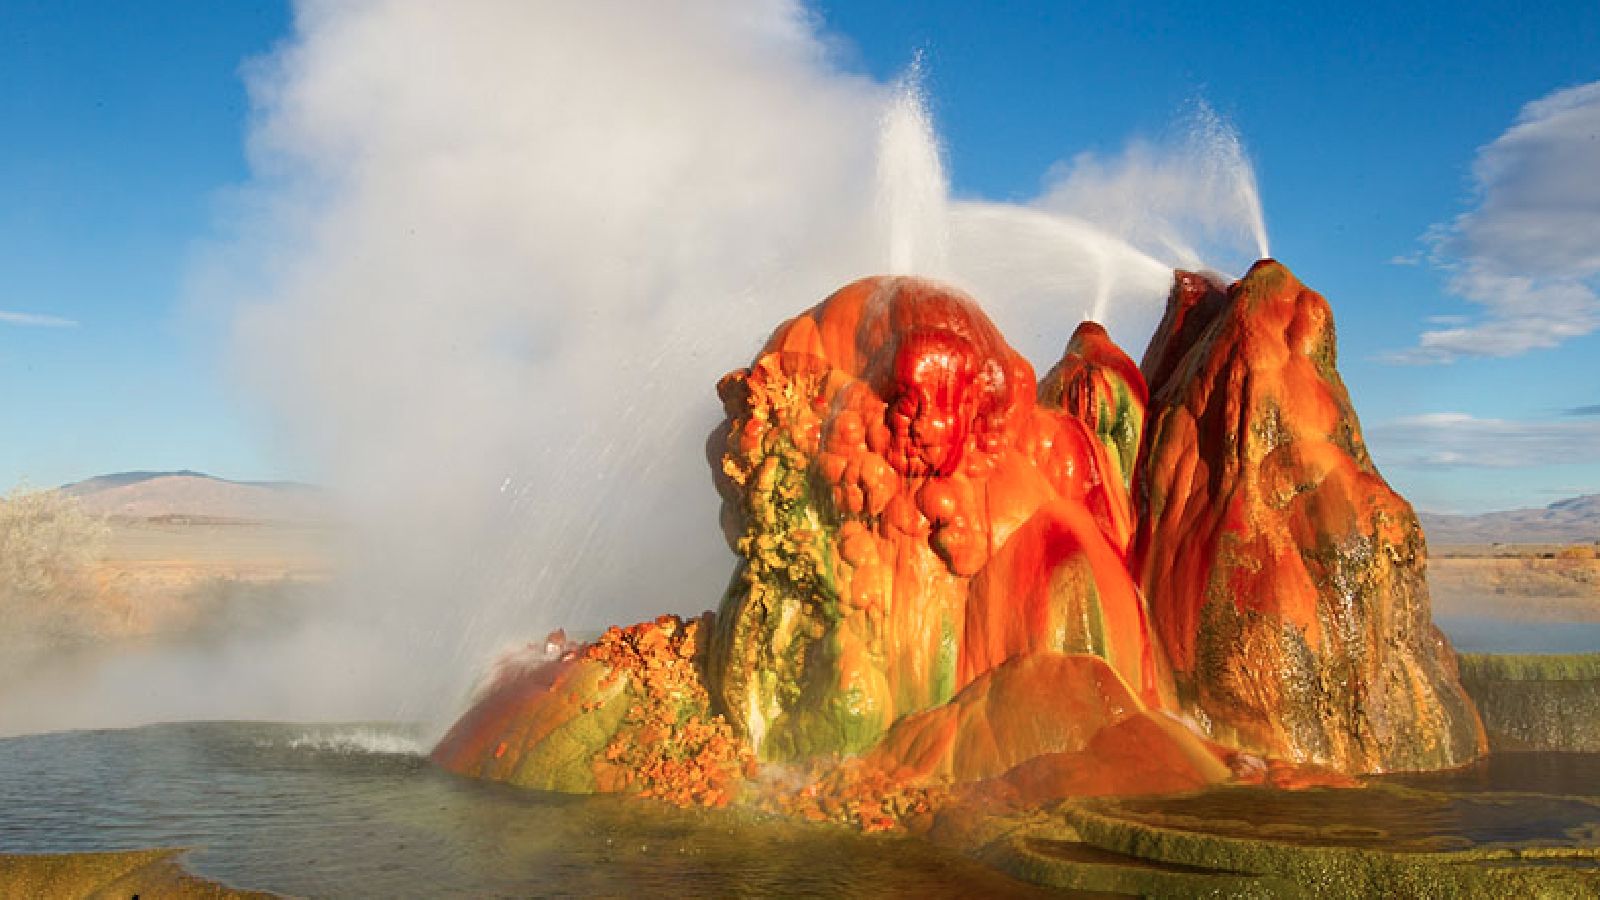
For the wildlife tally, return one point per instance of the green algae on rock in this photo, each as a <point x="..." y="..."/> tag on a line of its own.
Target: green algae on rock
<point x="1100" y="385"/>
<point x="1536" y="701"/>
<point x="542" y="726"/>
<point x="627" y="713"/>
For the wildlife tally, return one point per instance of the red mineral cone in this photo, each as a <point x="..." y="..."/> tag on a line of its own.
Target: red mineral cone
<point x="1284" y="576"/>
<point x="909" y="517"/>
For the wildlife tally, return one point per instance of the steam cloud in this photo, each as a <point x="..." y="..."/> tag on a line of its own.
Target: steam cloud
<point x="495" y="255"/>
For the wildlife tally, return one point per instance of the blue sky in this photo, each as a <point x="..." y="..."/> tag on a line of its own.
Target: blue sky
<point x="125" y="130"/>
<point x="122" y="125"/>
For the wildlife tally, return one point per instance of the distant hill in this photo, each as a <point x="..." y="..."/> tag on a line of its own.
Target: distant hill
<point x="151" y="495"/>
<point x="1573" y="520"/>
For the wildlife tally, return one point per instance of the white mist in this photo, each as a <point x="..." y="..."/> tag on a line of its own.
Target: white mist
<point x="495" y="256"/>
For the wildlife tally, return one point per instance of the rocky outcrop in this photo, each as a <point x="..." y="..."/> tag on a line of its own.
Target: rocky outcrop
<point x="1042" y="718"/>
<point x="958" y="588"/>
<point x="909" y="517"/>
<point x="627" y="713"/>
<point x="1285" y="577"/>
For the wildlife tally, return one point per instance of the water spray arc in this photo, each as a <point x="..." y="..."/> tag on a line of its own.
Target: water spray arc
<point x="913" y="194"/>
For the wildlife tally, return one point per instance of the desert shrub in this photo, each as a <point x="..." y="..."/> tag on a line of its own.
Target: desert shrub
<point x="48" y="546"/>
<point x="1578" y="551"/>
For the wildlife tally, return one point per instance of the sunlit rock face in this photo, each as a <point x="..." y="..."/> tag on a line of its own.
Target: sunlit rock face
<point x="1049" y="717"/>
<point x="958" y="587"/>
<point x="1285" y="579"/>
<point x="539" y="724"/>
<point x="1102" y="387"/>
<point x="626" y="713"/>
<point x="909" y="515"/>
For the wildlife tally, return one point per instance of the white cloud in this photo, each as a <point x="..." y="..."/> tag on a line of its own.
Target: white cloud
<point x="35" y="320"/>
<point x="1528" y="253"/>
<point x="1459" y="440"/>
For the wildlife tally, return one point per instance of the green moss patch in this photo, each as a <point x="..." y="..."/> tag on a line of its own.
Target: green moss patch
<point x="1536" y="701"/>
<point x="1483" y="667"/>
<point x="1293" y="869"/>
<point x="123" y="873"/>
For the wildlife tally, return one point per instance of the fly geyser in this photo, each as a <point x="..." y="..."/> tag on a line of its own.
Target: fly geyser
<point x="1285" y="577"/>
<point x="956" y="580"/>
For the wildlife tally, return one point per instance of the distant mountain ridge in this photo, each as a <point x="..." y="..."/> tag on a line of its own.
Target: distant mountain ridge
<point x="186" y="493"/>
<point x="1573" y="520"/>
<point x="149" y="495"/>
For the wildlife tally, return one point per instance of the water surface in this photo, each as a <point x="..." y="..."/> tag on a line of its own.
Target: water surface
<point x="1488" y="634"/>
<point x="353" y="811"/>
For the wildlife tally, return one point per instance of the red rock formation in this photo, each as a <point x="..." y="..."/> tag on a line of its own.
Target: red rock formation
<point x="910" y="517"/>
<point x="1195" y="302"/>
<point x="628" y="713"/>
<point x="531" y="715"/>
<point x="1284" y="577"/>
<point x="1055" y="716"/>
<point x="938" y="599"/>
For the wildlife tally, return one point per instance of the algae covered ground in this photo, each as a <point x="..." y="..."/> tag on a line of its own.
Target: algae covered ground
<point x="127" y="873"/>
<point x="1537" y="701"/>
<point x="1386" y="840"/>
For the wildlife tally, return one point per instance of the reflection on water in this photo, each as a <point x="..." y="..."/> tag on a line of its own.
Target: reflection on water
<point x="1567" y="774"/>
<point x="1382" y="817"/>
<point x="1485" y="634"/>
<point x="1507" y="799"/>
<point x="354" y="811"/>
<point x="324" y="811"/>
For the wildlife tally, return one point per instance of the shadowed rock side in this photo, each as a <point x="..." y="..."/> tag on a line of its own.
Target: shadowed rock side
<point x="908" y="518"/>
<point x="1284" y="577"/>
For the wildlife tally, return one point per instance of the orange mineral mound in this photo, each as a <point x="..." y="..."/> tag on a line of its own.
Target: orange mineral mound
<point x="1046" y="717"/>
<point x="1284" y="575"/>
<point x="627" y="713"/>
<point x="909" y="516"/>
<point x="958" y="589"/>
